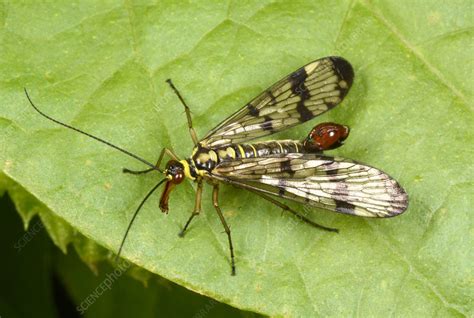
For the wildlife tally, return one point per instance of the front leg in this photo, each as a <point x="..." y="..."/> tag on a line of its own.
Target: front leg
<point x="197" y="207"/>
<point x="192" y="132"/>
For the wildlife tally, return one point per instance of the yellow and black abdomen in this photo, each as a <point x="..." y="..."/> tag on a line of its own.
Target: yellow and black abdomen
<point x="205" y="159"/>
<point x="260" y="149"/>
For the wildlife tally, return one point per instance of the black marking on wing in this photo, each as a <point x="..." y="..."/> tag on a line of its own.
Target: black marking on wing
<point x="281" y="188"/>
<point x="285" y="166"/>
<point x="253" y="110"/>
<point x="267" y="124"/>
<point x="355" y="188"/>
<point x="299" y="97"/>
<point x="331" y="168"/>
<point x="305" y="113"/>
<point x="272" y="97"/>
<point x="344" y="207"/>
<point x="298" y="88"/>
<point x="344" y="69"/>
<point x="297" y="80"/>
<point x="281" y="191"/>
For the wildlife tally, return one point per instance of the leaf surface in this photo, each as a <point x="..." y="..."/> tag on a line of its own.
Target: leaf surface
<point x="101" y="67"/>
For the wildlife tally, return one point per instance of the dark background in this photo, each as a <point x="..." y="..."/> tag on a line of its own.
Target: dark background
<point x="38" y="280"/>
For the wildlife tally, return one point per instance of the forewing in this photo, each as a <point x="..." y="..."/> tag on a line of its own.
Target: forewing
<point x="299" y="97"/>
<point x="331" y="183"/>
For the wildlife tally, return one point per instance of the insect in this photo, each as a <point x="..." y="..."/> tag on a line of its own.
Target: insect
<point x="296" y="170"/>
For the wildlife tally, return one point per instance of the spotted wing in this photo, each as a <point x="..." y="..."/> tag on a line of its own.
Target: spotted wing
<point x="331" y="183"/>
<point x="299" y="97"/>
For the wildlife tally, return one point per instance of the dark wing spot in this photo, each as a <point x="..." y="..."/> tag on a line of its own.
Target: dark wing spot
<point x="267" y="124"/>
<point x="331" y="167"/>
<point x="281" y="187"/>
<point x="305" y="113"/>
<point x="297" y="80"/>
<point x="253" y="110"/>
<point x="345" y="71"/>
<point x="285" y="166"/>
<point x="345" y="207"/>
<point x="281" y="191"/>
<point x="298" y="76"/>
<point x="272" y="97"/>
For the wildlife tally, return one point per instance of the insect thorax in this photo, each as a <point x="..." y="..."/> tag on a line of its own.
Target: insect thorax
<point x="204" y="159"/>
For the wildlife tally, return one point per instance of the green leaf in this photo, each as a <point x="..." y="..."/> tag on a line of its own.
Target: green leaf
<point x="101" y="67"/>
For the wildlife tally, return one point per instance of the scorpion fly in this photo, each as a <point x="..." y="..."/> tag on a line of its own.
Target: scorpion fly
<point x="295" y="170"/>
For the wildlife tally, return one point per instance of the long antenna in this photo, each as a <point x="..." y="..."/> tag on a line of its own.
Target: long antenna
<point x="91" y="136"/>
<point x="135" y="215"/>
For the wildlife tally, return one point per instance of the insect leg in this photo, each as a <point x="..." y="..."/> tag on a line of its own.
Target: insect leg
<point x="215" y="194"/>
<point x="298" y="215"/>
<point x="188" y="113"/>
<point x="164" y="151"/>
<point x="197" y="207"/>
